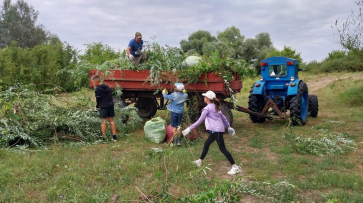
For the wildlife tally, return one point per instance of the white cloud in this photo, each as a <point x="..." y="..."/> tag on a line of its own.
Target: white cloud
<point x="303" y="25"/>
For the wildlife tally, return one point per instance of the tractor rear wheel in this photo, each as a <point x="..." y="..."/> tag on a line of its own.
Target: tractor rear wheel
<point x="313" y="105"/>
<point x="299" y="105"/>
<point x="227" y="113"/>
<point x="256" y="103"/>
<point x="147" y="107"/>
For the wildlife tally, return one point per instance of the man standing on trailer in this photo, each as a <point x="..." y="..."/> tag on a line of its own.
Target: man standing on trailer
<point x="134" y="49"/>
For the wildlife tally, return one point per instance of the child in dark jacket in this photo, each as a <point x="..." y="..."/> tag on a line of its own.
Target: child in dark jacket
<point x="105" y="105"/>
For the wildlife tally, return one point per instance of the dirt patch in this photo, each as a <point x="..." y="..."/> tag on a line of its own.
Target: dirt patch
<point x="356" y="157"/>
<point x="311" y="196"/>
<point x="269" y="154"/>
<point x="279" y="175"/>
<point x="323" y="82"/>
<point x="249" y="199"/>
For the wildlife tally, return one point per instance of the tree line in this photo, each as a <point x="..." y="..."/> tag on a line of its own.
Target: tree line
<point x="31" y="54"/>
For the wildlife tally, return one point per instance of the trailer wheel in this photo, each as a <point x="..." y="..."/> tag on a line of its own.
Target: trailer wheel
<point x="313" y="105"/>
<point x="147" y="107"/>
<point x="120" y="103"/>
<point x="256" y="103"/>
<point x="299" y="105"/>
<point x="227" y="113"/>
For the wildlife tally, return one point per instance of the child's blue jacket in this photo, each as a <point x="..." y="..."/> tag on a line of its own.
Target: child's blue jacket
<point x="177" y="101"/>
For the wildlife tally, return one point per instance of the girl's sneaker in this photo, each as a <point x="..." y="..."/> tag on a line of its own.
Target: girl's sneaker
<point x="114" y="138"/>
<point x="234" y="170"/>
<point x="197" y="162"/>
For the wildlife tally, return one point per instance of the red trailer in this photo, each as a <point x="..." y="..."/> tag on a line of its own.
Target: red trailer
<point x="136" y="88"/>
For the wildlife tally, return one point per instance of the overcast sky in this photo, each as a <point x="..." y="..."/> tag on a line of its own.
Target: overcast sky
<point x="305" y="25"/>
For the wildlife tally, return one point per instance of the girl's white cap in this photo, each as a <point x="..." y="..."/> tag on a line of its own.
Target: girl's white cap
<point x="210" y="95"/>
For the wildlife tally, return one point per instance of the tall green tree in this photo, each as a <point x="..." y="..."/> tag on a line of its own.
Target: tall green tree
<point x="196" y="41"/>
<point x="287" y="52"/>
<point x="264" y="46"/>
<point x="18" y="22"/>
<point x="231" y="37"/>
<point x="231" y="43"/>
<point x="249" y="50"/>
<point x="263" y="40"/>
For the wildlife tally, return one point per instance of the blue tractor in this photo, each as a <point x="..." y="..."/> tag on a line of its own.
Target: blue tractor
<point x="278" y="90"/>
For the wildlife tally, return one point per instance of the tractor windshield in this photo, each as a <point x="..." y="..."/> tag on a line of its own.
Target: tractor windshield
<point x="277" y="70"/>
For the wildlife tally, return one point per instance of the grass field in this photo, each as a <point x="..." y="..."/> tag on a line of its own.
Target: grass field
<point x="319" y="162"/>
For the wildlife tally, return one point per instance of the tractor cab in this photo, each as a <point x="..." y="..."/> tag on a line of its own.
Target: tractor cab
<point x="279" y="68"/>
<point x="279" y="78"/>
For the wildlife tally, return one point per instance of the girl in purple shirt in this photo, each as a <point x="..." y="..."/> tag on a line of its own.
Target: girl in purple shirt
<point x="215" y="122"/>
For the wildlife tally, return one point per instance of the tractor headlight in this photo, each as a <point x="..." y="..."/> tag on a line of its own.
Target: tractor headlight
<point x="261" y="79"/>
<point x="292" y="78"/>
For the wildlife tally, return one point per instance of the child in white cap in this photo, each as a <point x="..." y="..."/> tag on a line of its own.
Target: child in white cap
<point x="215" y="122"/>
<point x="176" y="107"/>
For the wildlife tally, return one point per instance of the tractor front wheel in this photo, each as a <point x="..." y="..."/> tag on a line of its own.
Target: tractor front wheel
<point x="313" y="105"/>
<point x="256" y="103"/>
<point x="299" y="105"/>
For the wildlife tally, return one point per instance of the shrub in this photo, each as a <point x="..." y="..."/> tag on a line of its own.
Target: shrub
<point x="98" y="53"/>
<point x="352" y="96"/>
<point x="341" y="64"/>
<point x="39" y="65"/>
<point x="337" y="61"/>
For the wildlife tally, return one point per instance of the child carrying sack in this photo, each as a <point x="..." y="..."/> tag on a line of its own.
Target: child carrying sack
<point x="155" y="130"/>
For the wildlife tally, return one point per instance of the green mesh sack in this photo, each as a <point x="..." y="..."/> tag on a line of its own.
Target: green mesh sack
<point x="155" y="130"/>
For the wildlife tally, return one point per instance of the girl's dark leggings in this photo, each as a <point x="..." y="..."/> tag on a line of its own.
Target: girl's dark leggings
<point x="219" y="137"/>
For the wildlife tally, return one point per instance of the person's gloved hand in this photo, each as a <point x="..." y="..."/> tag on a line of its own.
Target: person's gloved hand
<point x="96" y="109"/>
<point x="186" y="131"/>
<point x="184" y="91"/>
<point x="231" y="131"/>
<point x="130" y="56"/>
<point x="165" y="91"/>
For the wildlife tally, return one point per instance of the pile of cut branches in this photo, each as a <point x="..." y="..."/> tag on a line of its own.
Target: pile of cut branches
<point x="169" y="61"/>
<point x="31" y="118"/>
<point x="163" y="59"/>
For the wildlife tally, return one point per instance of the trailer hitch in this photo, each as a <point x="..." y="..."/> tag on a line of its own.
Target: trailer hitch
<point x="246" y="110"/>
<point x="270" y="104"/>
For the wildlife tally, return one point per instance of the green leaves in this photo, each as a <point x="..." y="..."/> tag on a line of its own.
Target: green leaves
<point x="232" y="191"/>
<point x="43" y="65"/>
<point x="327" y="143"/>
<point x="287" y="52"/>
<point x="98" y="53"/>
<point x="41" y="118"/>
<point x="224" y="66"/>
